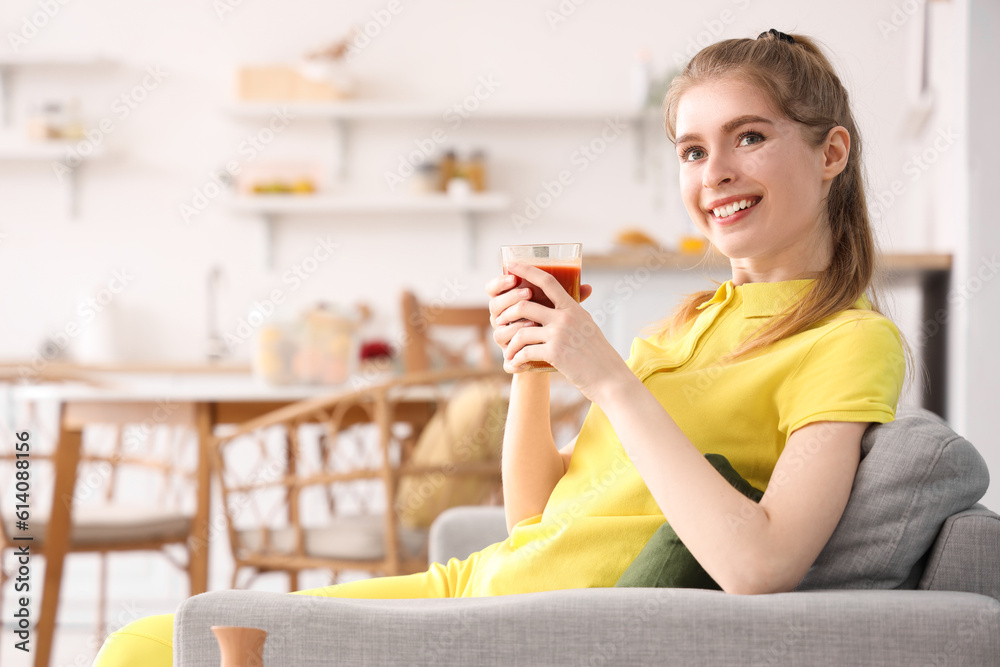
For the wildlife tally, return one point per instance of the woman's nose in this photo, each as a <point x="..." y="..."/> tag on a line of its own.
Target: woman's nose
<point x="718" y="171"/>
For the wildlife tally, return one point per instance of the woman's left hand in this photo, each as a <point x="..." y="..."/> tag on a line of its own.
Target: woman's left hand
<point x="566" y="337"/>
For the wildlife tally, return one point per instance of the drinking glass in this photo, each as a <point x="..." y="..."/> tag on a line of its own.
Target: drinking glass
<point x="561" y="260"/>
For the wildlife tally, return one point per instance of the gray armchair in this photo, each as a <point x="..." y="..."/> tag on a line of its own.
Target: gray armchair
<point x="910" y="577"/>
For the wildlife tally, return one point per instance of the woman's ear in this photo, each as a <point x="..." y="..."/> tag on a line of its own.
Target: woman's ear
<point x="836" y="148"/>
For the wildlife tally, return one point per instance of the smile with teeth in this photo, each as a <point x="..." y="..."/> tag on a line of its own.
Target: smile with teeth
<point x="729" y="209"/>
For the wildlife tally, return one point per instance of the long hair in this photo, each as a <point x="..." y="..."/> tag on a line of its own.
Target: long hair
<point x="802" y="84"/>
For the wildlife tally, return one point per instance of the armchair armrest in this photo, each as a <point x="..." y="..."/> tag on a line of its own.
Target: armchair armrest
<point x="966" y="554"/>
<point x="603" y="626"/>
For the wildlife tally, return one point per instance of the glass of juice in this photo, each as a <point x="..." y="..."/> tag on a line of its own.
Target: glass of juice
<point x="562" y="260"/>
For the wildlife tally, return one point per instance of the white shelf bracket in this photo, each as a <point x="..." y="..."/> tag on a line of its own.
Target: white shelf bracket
<point x="73" y="190"/>
<point x="471" y="237"/>
<point x="4" y="97"/>
<point x="639" y="137"/>
<point x="269" y="221"/>
<point x="341" y="149"/>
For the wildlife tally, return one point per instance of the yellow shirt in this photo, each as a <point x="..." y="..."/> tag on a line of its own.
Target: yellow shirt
<point x="848" y="367"/>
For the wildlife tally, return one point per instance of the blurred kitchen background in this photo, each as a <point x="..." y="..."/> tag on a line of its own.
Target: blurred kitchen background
<point x="194" y="184"/>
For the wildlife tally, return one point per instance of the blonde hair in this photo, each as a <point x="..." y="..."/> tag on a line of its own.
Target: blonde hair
<point x="802" y="84"/>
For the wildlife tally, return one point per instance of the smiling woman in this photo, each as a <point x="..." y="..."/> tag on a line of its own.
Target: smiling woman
<point x="771" y="174"/>
<point x="765" y="384"/>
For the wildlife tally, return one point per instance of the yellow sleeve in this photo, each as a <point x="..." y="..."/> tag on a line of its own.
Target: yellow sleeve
<point x="854" y="372"/>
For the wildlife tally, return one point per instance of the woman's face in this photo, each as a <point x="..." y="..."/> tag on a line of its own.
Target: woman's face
<point x="751" y="183"/>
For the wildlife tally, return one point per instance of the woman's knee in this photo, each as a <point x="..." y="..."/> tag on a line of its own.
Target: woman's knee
<point x="147" y="641"/>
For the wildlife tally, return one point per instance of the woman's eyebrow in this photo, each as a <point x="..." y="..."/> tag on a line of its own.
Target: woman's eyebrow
<point x="727" y="128"/>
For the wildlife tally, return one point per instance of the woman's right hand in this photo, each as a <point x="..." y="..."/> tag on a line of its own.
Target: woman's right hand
<point x="504" y="293"/>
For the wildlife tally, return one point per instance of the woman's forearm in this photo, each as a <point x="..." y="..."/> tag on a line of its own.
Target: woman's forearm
<point x="531" y="464"/>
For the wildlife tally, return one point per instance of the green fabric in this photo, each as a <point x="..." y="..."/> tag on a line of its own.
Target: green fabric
<point x="665" y="562"/>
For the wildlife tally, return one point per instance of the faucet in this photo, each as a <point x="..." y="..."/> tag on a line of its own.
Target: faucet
<point x="216" y="345"/>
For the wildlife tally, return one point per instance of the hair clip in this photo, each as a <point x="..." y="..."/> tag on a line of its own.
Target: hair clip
<point x="779" y="35"/>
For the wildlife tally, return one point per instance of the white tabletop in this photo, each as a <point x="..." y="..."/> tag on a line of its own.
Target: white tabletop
<point x="182" y="387"/>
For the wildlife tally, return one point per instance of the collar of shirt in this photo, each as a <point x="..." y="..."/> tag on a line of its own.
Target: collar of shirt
<point x="767" y="299"/>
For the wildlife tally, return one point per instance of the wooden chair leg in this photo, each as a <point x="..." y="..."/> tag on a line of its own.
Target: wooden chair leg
<point x="293" y="580"/>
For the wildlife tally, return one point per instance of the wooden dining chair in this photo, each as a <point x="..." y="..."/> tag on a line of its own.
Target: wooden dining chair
<point x="134" y="493"/>
<point x="441" y="336"/>
<point x="322" y="484"/>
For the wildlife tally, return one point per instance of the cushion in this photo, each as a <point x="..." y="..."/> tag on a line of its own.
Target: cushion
<point x="665" y="562"/>
<point x="915" y="472"/>
<point x="112" y="524"/>
<point x="357" y="537"/>
<point x="466" y="429"/>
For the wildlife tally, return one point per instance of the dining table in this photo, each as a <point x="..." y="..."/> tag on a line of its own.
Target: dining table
<point x="200" y="398"/>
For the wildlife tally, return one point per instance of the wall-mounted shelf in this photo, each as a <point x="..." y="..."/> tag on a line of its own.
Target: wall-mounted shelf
<point x="341" y="114"/>
<point x="271" y="207"/>
<point x="52" y="151"/>
<point x="383" y="110"/>
<point x="11" y="62"/>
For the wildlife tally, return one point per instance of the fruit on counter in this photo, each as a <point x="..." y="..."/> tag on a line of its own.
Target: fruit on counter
<point x="300" y="187"/>
<point x="632" y="236"/>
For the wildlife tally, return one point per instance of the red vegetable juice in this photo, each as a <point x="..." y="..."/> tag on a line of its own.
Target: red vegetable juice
<point x="568" y="276"/>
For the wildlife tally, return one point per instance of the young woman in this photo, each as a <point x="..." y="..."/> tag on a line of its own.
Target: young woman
<point x="780" y="370"/>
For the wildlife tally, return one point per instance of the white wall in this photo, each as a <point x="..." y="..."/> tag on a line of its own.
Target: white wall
<point x="431" y="51"/>
<point x="977" y="276"/>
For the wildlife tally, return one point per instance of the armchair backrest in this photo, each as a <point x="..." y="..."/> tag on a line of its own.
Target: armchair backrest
<point x="915" y="473"/>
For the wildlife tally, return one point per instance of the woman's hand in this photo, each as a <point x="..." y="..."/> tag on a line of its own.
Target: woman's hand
<point x="503" y="295"/>
<point x="565" y="335"/>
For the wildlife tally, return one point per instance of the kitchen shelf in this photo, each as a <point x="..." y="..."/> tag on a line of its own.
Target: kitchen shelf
<point x="50" y="151"/>
<point x="382" y="110"/>
<point x="342" y="114"/>
<point x="271" y="207"/>
<point x="430" y="203"/>
<point x="627" y="259"/>
<point x="11" y="62"/>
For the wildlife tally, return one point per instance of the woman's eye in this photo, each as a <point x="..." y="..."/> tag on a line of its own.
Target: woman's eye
<point x="750" y="138"/>
<point x="692" y="154"/>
